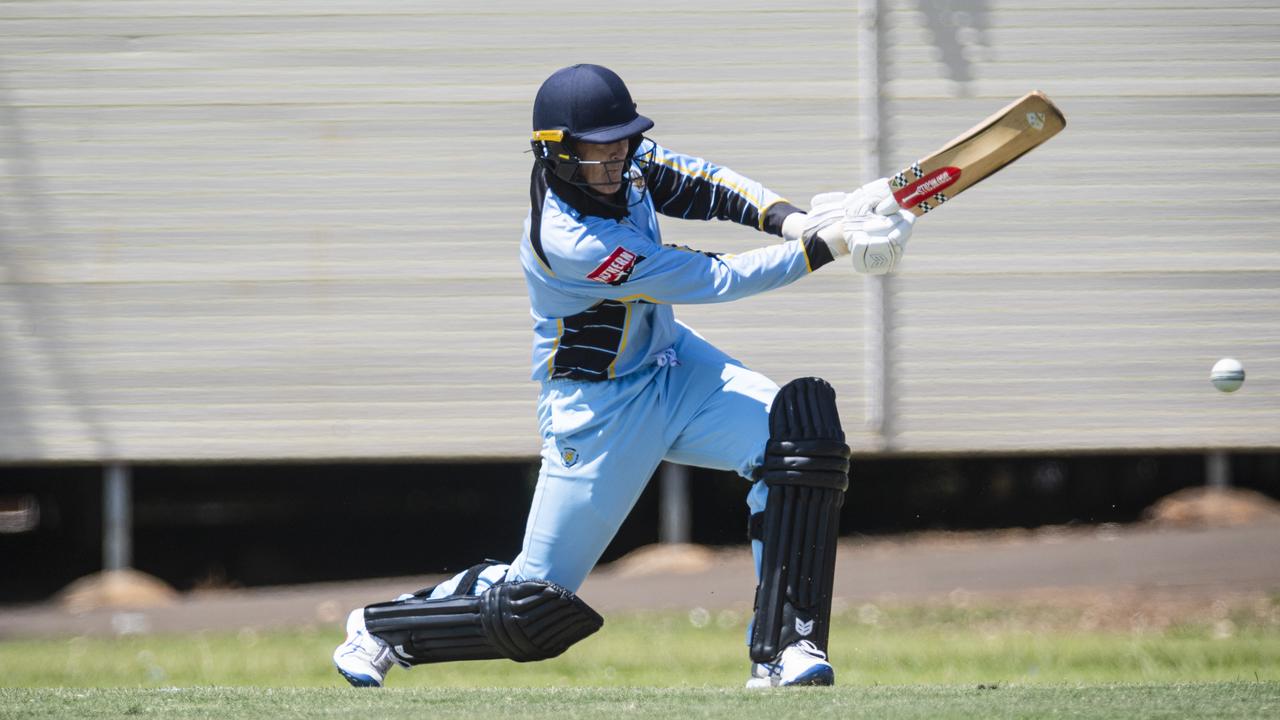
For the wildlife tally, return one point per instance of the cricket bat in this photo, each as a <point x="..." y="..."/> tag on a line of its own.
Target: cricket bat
<point x="978" y="153"/>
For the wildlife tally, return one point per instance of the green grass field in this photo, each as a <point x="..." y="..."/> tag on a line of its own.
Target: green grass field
<point x="891" y="662"/>
<point x="1216" y="700"/>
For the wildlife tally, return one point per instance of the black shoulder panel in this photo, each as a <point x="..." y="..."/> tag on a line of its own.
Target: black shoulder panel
<point x="537" y="198"/>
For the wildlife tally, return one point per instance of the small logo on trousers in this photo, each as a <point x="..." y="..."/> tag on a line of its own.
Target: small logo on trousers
<point x="804" y="628"/>
<point x="569" y="457"/>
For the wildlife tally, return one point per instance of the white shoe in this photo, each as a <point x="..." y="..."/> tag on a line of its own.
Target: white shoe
<point x="363" y="659"/>
<point x="801" y="663"/>
<point x="764" y="675"/>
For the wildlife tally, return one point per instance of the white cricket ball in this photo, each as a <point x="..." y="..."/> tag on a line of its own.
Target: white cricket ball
<point x="1227" y="375"/>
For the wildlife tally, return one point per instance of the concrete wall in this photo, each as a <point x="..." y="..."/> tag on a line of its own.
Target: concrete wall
<point x="289" y="230"/>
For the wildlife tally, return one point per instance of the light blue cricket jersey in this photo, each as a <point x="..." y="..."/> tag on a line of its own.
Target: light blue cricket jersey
<point x="601" y="282"/>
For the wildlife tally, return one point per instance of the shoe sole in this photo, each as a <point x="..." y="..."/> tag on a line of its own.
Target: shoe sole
<point x="820" y="676"/>
<point x="358" y="680"/>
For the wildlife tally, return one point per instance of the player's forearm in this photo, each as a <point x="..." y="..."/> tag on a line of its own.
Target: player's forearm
<point x="733" y="277"/>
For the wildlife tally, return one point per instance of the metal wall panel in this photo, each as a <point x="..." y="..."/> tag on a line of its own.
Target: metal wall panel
<point x="1079" y="298"/>
<point x="273" y="231"/>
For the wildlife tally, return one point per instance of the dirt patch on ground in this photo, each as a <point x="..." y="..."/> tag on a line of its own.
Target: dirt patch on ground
<point x="1212" y="507"/>
<point x="121" y="589"/>
<point x="676" y="559"/>
<point x="1146" y="576"/>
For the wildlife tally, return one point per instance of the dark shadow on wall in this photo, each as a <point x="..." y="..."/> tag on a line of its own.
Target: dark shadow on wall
<point x="35" y="347"/>
<point x="958" y="28"/>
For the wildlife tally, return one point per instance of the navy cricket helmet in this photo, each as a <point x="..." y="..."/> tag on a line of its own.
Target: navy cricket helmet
<point x="583" y="104"/>
<point x="588" y="103"/>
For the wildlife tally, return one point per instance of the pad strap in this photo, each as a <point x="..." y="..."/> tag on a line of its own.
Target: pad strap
<point x="819" y="462"/>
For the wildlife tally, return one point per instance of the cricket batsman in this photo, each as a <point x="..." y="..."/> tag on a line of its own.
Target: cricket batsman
<point x="624" y="385"/>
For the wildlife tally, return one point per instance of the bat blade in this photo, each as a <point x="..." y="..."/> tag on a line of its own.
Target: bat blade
<point x="977" y="154"/>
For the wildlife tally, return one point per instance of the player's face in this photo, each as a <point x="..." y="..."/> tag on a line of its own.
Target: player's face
<point x="605" y="177"/>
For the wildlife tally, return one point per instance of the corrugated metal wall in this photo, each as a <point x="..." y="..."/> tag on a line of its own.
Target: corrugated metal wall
<point x="264" y="230"/>
<point x="1080" y="300"/>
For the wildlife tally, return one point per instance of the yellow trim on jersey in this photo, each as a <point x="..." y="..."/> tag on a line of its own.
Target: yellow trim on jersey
<point x="715" y="181"/>
<point x="551" y="361"/>
<point x="646" y="298"/>
<point x="538" y="257"/>
<point x="765" y="209"/>
<point x="548" y="135"/>
<point x="622" y="346"/>
<point x="805" y="249"/>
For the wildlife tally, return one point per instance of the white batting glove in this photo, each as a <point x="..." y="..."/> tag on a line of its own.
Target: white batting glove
<point x="826" y="213"/>
<point x="875" y="229"/>
<point x="874" y="197"/>
<point x="877" y="241"/>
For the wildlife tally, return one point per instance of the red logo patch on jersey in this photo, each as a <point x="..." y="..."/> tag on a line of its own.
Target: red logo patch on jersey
<point x="616" y="268"/>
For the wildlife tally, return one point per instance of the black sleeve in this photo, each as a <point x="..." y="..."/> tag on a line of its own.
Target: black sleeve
<point x="689" y="192"/>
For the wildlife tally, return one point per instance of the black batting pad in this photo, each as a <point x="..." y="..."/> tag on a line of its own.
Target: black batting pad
<point x="522" y="621"/>
<point x="807" y="470"/>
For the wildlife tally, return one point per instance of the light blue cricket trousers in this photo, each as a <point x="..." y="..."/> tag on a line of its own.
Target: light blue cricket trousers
<point x="602" y="441"/>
